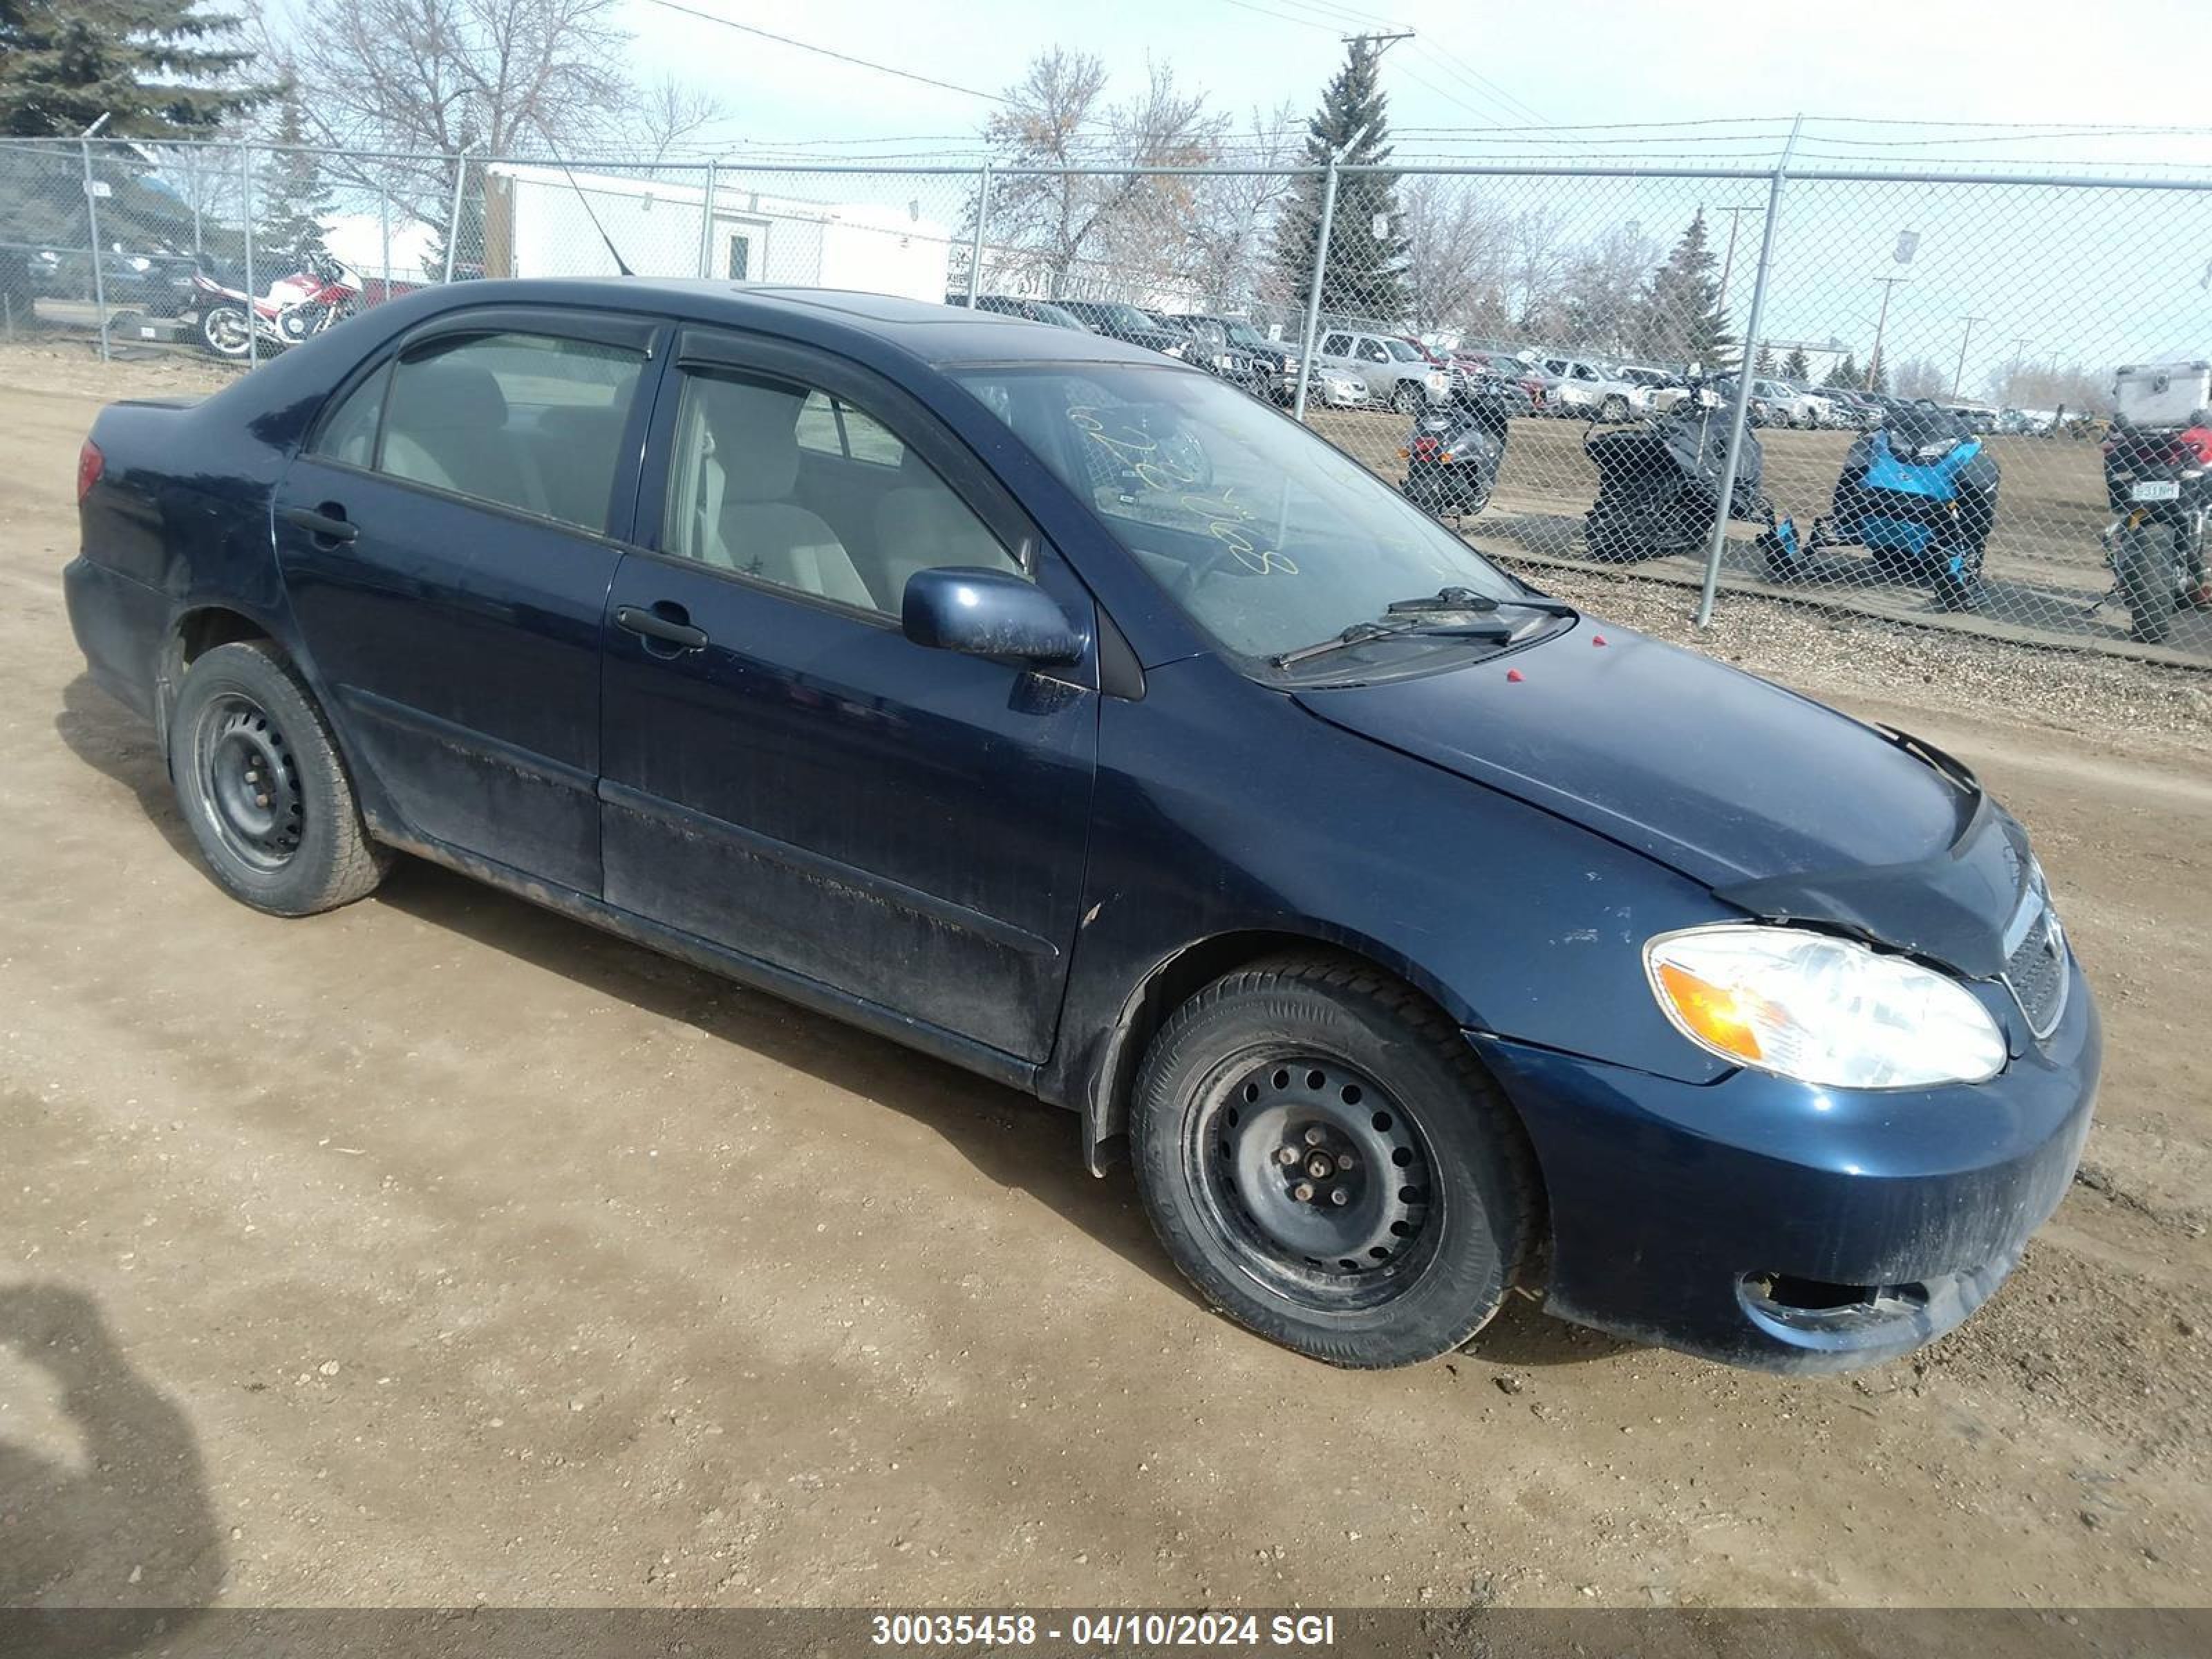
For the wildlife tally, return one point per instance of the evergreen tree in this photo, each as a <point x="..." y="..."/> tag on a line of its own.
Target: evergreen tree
<point x="1795" y="366"/>
<point x="1845" y="375"/>
<point x="1683" y="321"/>
<point x="1763" y="366"/>
<point x="157" y="68"/>
<point x="292" y="201"/>
<point x="1365" y="277"/>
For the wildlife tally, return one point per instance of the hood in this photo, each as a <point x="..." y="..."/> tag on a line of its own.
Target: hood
<point x="1782" y="806"/>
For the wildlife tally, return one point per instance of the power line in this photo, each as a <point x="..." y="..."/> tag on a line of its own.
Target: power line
<point x="824" y="51"/>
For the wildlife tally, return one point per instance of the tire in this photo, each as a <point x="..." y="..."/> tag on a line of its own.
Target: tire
<point x="1406" y="398"/>
<point x="1955" y="583"/>
<point x="1614" y="410"/>
<point x="2143" y="559"/>
<point x="224" y="332"/>
<point x="1334" y="1062"/>
<point x="262" y="788"/>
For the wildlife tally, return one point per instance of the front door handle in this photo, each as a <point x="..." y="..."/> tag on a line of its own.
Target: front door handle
<point x="656" y="624"/>
<point x="326" y="523"/>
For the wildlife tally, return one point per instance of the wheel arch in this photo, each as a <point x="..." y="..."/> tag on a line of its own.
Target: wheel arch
<point x="193" y="632"/>
<point x="1181" y="974"/>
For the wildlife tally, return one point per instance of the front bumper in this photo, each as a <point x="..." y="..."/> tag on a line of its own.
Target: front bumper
<point x="1769" y="1224"/>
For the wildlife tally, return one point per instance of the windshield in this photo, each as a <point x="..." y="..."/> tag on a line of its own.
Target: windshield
<point x="1774" y="389"/>
<point x="1267" y="537"/>
<point x="1048" y="313"/>
<point x="1250" y="338"/>
<point x="1206" y="329"/>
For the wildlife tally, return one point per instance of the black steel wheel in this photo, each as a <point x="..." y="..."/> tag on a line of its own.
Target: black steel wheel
<point x="262" y="787"/>
<point x="1321" y="1154"/>
<point x="248" y="780"/>
<point x="1314" y="1176"/>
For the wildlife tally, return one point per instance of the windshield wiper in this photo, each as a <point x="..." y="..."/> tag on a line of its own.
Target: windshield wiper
<point x="1466" y="598"/>
<point x="1366" y="633"/>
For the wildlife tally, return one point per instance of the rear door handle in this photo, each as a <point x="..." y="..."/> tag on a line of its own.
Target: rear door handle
<point x="670" y="631"/>
<point x="326" y="523"/>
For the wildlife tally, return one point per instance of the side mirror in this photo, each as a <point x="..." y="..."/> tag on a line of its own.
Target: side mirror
<point x="986" y="613"/>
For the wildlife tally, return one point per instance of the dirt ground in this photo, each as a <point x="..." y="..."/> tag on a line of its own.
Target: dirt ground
<point x="441" y="1251"/>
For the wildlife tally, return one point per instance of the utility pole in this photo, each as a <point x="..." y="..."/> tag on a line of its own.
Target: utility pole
<point x="1881" y="322"/>
<point x="2012" y="376"/>
<point x="1958" y="375"/>
<point x="1381" y="43"/>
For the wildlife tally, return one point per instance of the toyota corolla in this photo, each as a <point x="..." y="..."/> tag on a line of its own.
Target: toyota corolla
<point x="1059" y="710"/>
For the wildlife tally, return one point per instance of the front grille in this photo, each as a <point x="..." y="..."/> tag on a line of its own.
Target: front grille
<point x="2035" y="973"/>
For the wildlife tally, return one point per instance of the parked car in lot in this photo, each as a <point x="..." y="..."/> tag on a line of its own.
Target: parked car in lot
<point x="1056" y="709"/>
<point x="1215" y="352"/>
<point x="1856" y="409"/>
<point x="1274" y="363"/>
<point x="1118" y="321"/>
<point x="1825" y="410"/>
<point x="1662" y="387"/>
<point x="1536" y="384"/>
<point x="1016" y="305"/>
<point x="1785" y="405"/>
<point x="1588" y="392"/>
<point x="1395" y="373"/>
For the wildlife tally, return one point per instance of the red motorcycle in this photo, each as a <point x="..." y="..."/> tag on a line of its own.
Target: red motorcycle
<point x="321" y="292"/>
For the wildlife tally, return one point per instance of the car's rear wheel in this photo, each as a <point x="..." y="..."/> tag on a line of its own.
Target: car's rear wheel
<point x="1322" y="1156"/>
<point x="262" y="787"/>
<point x="1614" y="410"/>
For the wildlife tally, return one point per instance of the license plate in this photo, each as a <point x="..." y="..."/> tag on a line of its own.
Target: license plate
<point x="2156" y="490"/>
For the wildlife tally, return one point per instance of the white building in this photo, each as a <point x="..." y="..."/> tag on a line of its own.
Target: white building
<point x="536" y="224"/>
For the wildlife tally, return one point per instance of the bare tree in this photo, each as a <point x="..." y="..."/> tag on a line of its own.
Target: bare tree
<point x="1916" y="377"/>
<point x="1232" y="216"/>
<point x="494" y="77"/>
<point x="1461" y="248"/>
<point x="1604" y="296"/>
<point x="1098" y="233"/>
<point x="670" y="111"/>
<point x="1538" y="265"/>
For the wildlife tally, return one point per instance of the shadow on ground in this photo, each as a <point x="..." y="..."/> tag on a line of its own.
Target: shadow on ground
<point x="86" y="1543"/>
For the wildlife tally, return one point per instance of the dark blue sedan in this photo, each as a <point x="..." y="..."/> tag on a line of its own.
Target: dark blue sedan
<point x="1060" y="710"/>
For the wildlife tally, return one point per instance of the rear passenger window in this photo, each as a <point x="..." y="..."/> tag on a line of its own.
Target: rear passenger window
<point x="349" y="435"/>
<point x="531" y="422"/>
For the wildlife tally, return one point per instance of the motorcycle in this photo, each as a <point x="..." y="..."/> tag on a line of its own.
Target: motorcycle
<point x="1453" y="453"/>
<point x="1659" y="484"/>
<point x="2156" y="484"/>
<point x="319" y="293"/>
<point x="1919" y="493"/>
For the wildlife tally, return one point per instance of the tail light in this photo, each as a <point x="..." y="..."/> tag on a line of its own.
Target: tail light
<point x="1427" y="448"/>
<point x="90" y="464"/>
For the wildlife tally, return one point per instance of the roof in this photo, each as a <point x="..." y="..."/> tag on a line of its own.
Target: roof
<point x="838" y="318"/>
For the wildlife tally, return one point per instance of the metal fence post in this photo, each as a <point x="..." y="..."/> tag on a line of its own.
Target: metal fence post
<point x="1313" y="295"/>
<point x="246" y="220"/>
<point x="707" y="221"/>
<point x="975" y="247"/>
<point x="1739" y="416"/>
<point x="453" y="213"/>
<point x="91" y="225"/>
<point x="383" y="231"/>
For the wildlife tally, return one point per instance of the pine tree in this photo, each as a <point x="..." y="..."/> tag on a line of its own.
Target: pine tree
<point x="1845" y="375"/>
<point x="1366" y="277"/>
<point x="1682" y="304"/>
<point x="293" y="202"/>
<point x="1763" y="366"/>
<point x="1795" y="367"/>
<point x="157" y="68"/>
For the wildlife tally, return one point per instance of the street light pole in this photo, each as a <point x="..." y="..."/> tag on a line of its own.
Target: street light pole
<point x="1958" y="375"/>
<point x="1728" y="262"/>
<point x="1881" y="322"/>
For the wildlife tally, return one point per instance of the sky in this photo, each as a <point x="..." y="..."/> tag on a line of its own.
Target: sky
<point x="1479" y="64"/>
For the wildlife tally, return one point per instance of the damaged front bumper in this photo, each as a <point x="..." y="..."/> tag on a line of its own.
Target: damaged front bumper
<point x="1766" y="1223"/>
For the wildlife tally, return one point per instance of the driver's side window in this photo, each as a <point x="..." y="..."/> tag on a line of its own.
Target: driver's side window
<point x="1370" y="351"/>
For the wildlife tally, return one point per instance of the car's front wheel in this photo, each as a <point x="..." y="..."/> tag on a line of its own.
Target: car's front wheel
<point x="262" y="787"/>
<point x="1322" y="1154"/>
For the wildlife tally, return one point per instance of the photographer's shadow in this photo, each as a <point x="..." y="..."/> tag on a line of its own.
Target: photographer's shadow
<point x="126" y="1527"/>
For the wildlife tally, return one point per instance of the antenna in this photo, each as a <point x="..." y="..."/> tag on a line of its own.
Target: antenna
<point x="613" y="253"/>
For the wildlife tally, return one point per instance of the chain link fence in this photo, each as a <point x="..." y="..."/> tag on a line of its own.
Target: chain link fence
<point x="1960" y="401"/>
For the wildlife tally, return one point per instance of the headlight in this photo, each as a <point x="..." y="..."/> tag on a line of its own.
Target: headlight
<point x="1823" y="1011"/>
